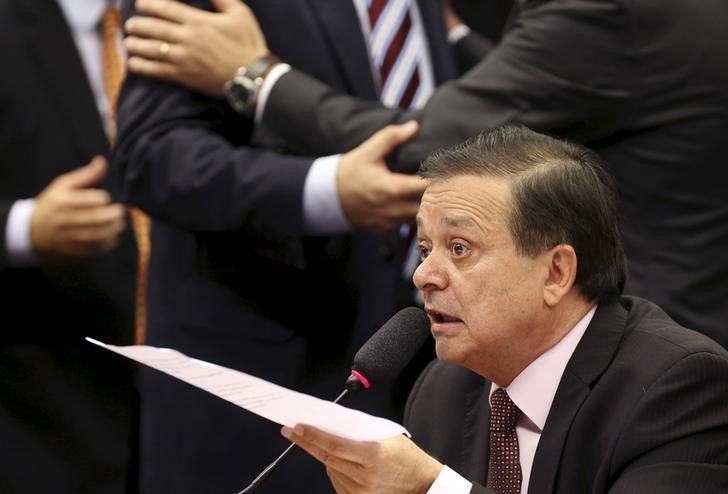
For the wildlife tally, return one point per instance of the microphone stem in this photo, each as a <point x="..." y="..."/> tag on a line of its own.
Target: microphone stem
<point x="264" y="474"/>
<point x="343" y="393"/>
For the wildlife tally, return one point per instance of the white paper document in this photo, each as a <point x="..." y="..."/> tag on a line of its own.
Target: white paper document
<point x="273" y="402"/>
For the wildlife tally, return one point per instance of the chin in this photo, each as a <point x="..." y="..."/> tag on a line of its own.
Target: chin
<point x="446" y="352"/>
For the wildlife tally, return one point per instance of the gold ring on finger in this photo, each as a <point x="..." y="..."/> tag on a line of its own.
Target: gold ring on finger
<point x="164" y="48"/>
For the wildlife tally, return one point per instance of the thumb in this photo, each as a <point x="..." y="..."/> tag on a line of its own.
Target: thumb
<point x="385" y="140"/>
<point x="224" y="5"/>
<point x="84" y="176"/>
<point x="411" y="187"/>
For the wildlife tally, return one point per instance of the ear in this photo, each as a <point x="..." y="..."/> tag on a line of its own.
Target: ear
<point x="561" y="265"/>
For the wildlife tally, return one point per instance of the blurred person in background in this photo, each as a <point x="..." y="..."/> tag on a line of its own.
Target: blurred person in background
<point x="67" y="260"/>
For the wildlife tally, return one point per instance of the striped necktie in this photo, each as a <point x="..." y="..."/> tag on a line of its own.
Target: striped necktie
<point x="397" y="50"/>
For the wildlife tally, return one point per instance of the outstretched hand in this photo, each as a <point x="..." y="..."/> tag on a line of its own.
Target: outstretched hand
<point x="196" y="48"/>
<point x="371" y="195"/>
<point x="392" y="466"/>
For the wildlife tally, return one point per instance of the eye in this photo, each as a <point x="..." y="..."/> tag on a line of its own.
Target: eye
<point x="458" y="249"/>
<point x="424" y="252"/>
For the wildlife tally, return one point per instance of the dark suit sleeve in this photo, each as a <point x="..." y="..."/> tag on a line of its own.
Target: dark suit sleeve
<point x="5" y="206"/>
<point x="677" y="438"/>
<point x="470" y="50"/>
<point x="186" y="159"/>
<point x="560" y="69"/>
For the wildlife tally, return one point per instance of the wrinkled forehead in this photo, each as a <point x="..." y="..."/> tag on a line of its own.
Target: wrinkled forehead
<point x="465" y="202"/>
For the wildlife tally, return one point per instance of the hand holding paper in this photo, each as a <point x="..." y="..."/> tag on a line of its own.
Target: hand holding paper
<point x="392" y="466"/>
<point x="268" y="400"/>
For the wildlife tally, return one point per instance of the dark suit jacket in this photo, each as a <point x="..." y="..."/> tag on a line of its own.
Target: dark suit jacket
<point x="642" y="407"/>
<point x="617" y="76"/>
<point x="63" y="429"/>
<point x="232" y="278"/>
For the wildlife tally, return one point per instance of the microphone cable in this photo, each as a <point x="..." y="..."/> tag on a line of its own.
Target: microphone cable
<point x="267" y="471"/>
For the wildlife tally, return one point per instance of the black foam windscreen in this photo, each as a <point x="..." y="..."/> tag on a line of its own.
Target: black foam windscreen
<point x="391" y="348"/>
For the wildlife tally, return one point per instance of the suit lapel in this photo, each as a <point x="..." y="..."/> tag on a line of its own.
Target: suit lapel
<point x="590" y="359"/>
<point x="340" y="22"/>
<point x="474" y="456"/>
<point x="54" y="52"/>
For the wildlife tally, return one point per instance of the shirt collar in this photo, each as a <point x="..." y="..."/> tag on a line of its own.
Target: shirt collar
<point x="533" y="390"/>
<point x="84" y="15"/>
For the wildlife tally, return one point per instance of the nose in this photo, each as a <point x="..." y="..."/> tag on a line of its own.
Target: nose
<point x="429" y="275"/>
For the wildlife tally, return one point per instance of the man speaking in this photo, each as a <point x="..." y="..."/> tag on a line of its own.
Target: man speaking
<point x="547" y="379"/>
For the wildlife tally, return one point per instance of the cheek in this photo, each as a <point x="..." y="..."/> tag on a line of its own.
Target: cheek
<point x="479" y="306"/>
<point x="478" y="289"/>
<point x="492" y="300"/>
<point x="519" y="279"/>
<point x="520" y="300"/>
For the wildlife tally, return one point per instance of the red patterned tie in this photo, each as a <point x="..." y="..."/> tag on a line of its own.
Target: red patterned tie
<point x="396" y="52"/>
<point x="504" y="467"/>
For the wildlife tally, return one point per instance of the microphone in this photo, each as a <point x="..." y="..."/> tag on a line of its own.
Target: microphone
<point x="389" y="350"/>
<point x="381" y="358"/>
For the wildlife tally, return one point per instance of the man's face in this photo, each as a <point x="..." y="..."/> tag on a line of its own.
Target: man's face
<point x="484" y="300"/>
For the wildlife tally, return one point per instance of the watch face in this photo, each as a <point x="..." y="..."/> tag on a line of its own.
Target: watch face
<point x="241" y="94"/>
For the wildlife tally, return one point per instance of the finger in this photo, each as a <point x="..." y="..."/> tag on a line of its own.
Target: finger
<point x="385" y="140"/>
<point x="318" y="453"/>
<point x="85" y="248"/>
<point x="348" y="470"/>
<point x="330" y="445"/>
<point x="225" y="5"/>
<point x="84" y="176"/>
<point x="407" y="187"/>
<point x="92" y="238"/>
<point x="154" y="68"/>
<point x="102" y="235"/>
<point x="402" y="212"/>
<point x="168" y="10"/>
<point x="85" y="199"/>
<point x="153" y="49"/>
<point x="111" y="216"/>
<point x="151" y="28"/>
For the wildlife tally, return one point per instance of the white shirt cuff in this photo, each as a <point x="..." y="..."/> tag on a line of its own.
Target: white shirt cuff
<point x="457" y="33"/>
<point x="322" y="211"/>
<point x="268" y="83"/>
<point x="17" y="232"/>
<point x="449" y="482"/>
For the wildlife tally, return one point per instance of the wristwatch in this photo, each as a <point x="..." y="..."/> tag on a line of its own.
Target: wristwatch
<point x="243" y="88"/>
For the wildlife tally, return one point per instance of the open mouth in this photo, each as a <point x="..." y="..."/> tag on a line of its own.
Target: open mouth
<point x="441" y="318"/>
